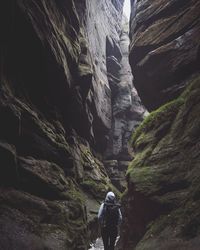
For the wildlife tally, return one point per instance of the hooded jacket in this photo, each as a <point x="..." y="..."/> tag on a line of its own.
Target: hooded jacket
<point x="110" y="199"/>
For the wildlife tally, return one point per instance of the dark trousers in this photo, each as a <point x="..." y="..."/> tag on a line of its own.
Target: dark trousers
<point x="109" y="236"/>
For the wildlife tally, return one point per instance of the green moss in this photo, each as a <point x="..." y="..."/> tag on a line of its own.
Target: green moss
<point x="114" y="190"/>
<point x="95" y="180"/>
<point x="194" y="86"/>
<point x="166" y="169"/>
<point x="160" y="224"/>
<point x="74" y="193"/>
<point x="188" y="217"/>
<point x="97" y="189"/>
<point x="147" y="177"/>
<point x="156" y="118"/>
<point x="182" y="222"/>
<point x="140" y="158"/>
<point x="143" y="140"/>
<point x="142" y="175"/>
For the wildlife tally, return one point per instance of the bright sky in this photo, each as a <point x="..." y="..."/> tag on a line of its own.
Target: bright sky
<point x="127" y="8"/>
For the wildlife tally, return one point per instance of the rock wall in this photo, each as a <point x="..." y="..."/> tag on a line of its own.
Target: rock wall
<point x="161" y="203"/>
<point x="127" y="110"/>
<point x="56" y="109"/>
<point x="164" y="50"/>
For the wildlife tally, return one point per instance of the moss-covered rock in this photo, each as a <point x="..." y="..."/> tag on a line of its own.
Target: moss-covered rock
<point x="31" y="222"/>
<point x="162" y="201"/>
<point x="55" y="110"/>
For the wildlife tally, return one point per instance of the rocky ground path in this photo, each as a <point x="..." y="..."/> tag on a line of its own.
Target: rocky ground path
<point x="98" y="245"/>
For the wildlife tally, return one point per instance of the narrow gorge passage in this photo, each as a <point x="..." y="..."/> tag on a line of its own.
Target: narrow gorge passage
<point x="122" y="101"/>
<point x="89" y="103"/>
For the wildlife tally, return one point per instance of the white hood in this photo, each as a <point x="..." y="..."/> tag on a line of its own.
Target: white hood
<point x="110" y="196"/>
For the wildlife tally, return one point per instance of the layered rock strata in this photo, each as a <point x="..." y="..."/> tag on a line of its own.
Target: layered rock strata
<point x="164" y="50"/>
<point x="55" y="109"/>
<point x="127" y="110"/>
<point x="161" y="203"/>
<point x="65" y="84"/>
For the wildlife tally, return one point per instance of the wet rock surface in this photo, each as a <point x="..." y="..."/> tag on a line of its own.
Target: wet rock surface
<point x="98" y="245"/>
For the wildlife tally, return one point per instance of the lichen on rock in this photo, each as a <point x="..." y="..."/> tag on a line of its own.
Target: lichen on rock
<point x="55" y="108"/>
<point x="164" y="176"/>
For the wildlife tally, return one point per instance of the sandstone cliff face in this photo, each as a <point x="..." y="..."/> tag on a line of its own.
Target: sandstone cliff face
<point x="164" y="49"/>
<point x="102" y="28"/>
<point x="127" y="110"/>
<point x="65" y="83"/>
<point x="162" y="201"/>
<point x="55" y="108"/>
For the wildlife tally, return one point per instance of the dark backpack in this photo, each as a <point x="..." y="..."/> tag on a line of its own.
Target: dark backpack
<point x="110" y="215"/>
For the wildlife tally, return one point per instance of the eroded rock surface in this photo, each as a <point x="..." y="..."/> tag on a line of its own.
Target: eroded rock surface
<point x="65" y="84"/>
<point x="127" y="110"/>
<point x="164" y="49"/>
<point x="162" y="202"/>
<point x="56" y="113"/>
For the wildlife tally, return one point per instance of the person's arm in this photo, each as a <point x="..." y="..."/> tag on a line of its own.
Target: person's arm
<point x="100" y="214"/>
<point x="120" y="217"/>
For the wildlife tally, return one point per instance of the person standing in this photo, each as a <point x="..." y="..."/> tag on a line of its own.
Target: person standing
<point x="110" y="218"/>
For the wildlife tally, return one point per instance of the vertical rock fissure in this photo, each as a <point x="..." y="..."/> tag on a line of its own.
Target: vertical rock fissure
<point x="127" y="109"/>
